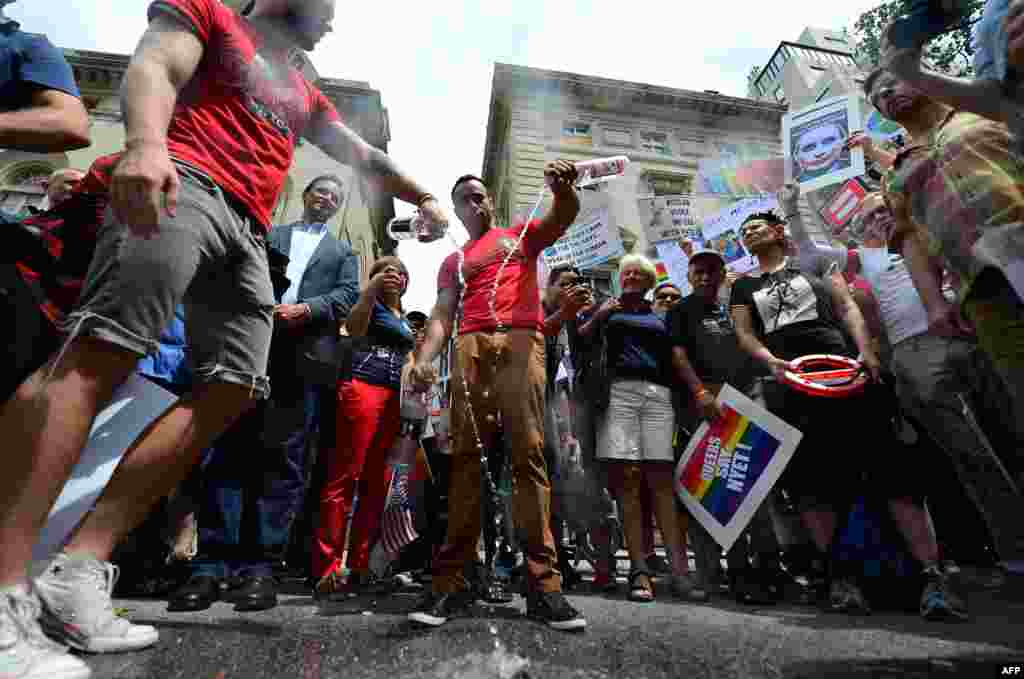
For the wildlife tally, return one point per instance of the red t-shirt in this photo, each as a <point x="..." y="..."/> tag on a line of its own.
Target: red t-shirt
<point x="67" y="236"/>
<point x="517" y="303"/>
<point x="238" y="120"/>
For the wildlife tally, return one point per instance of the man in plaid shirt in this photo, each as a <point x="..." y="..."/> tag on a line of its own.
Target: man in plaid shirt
<point x="43" y="274"/>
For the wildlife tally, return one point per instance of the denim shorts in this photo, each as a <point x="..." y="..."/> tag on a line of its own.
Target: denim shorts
<point x="208" y="256"/>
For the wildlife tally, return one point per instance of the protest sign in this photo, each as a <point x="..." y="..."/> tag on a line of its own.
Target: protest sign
<point x="844" y="206"/>
<point x="730" y="465"/>
<point x="134" y="406"/>
<point x="669" y="218"/>
<point x="721" y="232"/>
<point x="814" y="141"/>
<point x="588" y="242"/>
<point x="675" y="263"/>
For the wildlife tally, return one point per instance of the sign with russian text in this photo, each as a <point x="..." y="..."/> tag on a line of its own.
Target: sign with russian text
<point x="731" y="465"/>
<point x="586" y="244"/>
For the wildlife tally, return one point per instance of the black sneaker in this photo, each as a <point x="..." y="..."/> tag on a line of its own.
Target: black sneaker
<point x="939" y="601"/>
<point x="845" y="597"/>
<point x="435" y="609"/>
<point x="750" y="589"/>
<point x="554" y="610"/>
<point x="658" y="565"/>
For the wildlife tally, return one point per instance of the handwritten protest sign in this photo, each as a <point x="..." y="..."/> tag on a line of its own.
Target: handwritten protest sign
<point x="730" y="466"/>
<point x="135" y="405"/>
<point x="669" y="218"/>
<point x="590" y="241"/>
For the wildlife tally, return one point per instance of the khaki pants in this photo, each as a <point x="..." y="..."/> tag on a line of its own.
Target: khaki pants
<point x="504" y="373"/>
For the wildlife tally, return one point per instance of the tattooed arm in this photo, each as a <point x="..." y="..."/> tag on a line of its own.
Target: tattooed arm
<point x="165" y="59"/>
<point x="347" y="147"/>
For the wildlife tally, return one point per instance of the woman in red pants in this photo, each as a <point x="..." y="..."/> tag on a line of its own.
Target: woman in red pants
<point x="368" y="417"/>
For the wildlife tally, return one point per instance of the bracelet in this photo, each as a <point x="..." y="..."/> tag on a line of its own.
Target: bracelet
<point x="424" y="198"/>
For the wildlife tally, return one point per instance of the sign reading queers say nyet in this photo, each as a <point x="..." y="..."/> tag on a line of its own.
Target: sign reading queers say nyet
<point x="730" y="465"/>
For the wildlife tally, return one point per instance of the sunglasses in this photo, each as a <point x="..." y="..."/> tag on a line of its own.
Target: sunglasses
<point x="667" y="296"/>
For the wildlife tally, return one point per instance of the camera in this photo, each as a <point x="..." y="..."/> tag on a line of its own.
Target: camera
<point x="926" y="20"/>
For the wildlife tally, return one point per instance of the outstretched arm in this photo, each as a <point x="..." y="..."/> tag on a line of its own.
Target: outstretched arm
<point x="789" y="201"/>
<point x="564" y="207"/>
<point x="339" y="142"/>
<point x="983" y="97"/>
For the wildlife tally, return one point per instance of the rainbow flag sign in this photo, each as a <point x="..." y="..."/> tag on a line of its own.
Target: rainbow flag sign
<point x="730" y="466"/>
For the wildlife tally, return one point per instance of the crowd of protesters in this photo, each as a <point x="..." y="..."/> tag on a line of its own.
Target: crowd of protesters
<point x="550" y="419"/>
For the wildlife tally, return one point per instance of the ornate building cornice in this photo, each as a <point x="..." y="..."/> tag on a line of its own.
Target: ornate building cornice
<point x="693" y="110"/>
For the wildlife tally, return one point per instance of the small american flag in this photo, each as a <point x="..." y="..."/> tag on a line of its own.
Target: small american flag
<point x="396" y="526"/>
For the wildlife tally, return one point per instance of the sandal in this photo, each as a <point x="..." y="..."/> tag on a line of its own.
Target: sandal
<point x="640" y="587"/>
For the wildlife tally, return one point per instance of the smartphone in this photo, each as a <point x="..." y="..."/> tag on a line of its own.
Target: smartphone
<point x="927" y="19"/>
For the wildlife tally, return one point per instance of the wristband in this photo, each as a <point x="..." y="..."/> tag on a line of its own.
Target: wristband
<point x="424" y="198"/>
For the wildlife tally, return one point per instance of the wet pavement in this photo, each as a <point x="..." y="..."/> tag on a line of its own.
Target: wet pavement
<point x="369" y="637"/>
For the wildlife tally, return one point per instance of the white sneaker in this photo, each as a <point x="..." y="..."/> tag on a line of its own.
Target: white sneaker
<point x="75" y="594"/>
<point x="25" y="652"/>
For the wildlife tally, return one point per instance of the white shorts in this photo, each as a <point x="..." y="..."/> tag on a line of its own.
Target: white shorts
<point x="639" y="424"/>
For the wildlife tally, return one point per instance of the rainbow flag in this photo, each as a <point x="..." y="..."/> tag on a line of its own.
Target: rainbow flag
<point x="662" y="272"/>
<point x="726" y="463"/>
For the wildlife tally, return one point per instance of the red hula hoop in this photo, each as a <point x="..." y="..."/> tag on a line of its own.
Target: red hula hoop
<point x="826" y="375"/>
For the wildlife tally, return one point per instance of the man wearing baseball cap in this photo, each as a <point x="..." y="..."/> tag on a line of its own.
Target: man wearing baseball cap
<point x="703" y="333"/>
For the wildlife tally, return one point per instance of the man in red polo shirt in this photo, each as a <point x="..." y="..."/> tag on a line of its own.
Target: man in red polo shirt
<point x="213" y="110"/>
<point x="499" y="369"/>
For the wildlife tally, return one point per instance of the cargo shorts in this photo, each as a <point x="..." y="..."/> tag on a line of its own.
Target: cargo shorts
<point x="209" y="256"/>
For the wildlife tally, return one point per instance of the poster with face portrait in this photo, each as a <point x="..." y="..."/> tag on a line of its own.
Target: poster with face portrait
<point x="814" y="140"/>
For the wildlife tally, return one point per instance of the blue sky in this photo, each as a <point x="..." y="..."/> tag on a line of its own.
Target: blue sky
<point x="433" y="62"/>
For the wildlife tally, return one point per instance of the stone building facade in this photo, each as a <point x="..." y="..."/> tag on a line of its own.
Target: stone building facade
<point x="537" y="116"/>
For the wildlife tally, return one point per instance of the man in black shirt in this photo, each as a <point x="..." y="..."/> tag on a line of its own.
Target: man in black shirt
<point x="798" y="308"/>
<point x="703" y="332"/>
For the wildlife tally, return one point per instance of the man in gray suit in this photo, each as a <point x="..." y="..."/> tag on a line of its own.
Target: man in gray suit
<point x="254" y="477"/>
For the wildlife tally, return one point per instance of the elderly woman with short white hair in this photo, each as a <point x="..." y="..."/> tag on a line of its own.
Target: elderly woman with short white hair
<point x="636" y="434"/>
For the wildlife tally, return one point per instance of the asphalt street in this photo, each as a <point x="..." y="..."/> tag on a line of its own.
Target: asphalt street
<point x="368" y="637"/>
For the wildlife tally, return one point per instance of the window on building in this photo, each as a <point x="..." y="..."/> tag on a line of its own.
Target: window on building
<point x="577" y="133"/>
<point x="655" y="142"/>
<point x="618" y="137"/>
<point x="24" y="186"/>
<point x="669" y="184"/>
